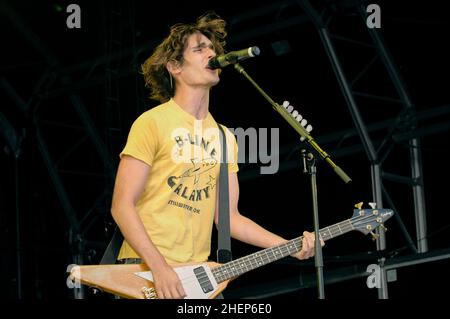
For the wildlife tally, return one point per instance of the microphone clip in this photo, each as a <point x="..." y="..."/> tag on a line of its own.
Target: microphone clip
<point x="307" y="160"/>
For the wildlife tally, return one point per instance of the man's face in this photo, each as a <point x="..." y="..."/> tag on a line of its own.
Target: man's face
<point x="194" y="71"/>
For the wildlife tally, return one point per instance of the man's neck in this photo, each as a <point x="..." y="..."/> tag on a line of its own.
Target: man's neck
<point x="193" y="101"/>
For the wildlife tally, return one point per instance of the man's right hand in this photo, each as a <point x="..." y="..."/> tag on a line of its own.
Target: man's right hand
<point x="167" y="283"/>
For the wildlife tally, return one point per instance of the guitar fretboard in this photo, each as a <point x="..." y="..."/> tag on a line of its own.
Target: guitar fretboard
<point x="263" y="257"/>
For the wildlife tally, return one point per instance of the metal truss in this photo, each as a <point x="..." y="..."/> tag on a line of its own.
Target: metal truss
<point x="59" y="81"/>
<point x="402" y="127"/>
<point x="84" y="220"/>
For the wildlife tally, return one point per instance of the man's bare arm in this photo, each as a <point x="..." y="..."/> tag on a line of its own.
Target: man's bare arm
<point x="132" y="175"/>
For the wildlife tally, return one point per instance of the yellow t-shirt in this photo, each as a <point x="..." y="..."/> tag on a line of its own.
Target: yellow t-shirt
<point x="178" y="202"/>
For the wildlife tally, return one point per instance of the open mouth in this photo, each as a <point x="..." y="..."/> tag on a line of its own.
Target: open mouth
<point x="208" y="66"/>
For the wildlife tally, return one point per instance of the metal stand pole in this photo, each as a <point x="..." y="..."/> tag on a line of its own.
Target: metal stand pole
<point x="309" y="167"/>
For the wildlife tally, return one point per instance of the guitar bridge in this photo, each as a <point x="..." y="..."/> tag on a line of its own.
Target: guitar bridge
<point x="149" y="293"/>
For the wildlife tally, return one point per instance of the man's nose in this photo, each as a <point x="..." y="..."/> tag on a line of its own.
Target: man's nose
<point x="211" y="53"/>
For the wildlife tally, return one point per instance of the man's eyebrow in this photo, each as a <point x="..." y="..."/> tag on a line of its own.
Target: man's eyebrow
<point x="202" y="45"/>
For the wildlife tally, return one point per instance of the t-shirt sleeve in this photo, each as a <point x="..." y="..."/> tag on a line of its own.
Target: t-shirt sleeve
<point x="142" y="142"/>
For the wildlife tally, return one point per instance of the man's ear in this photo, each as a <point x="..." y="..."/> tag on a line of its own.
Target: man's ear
<point x="174" y="67"/>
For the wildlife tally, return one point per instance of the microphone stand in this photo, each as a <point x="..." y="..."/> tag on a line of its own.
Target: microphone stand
<point x="308" y="167"/>
<point x="297" y="126"/>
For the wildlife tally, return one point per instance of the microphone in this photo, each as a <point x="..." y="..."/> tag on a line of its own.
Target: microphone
<point x="232" y="57"/>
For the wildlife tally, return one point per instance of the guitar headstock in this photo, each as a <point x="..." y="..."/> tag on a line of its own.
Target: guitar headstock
<point x="367" y="220"/>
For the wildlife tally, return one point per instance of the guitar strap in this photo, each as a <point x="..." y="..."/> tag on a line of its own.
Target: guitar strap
<point x="112" y="251"/>
<point x="224" y="241"/>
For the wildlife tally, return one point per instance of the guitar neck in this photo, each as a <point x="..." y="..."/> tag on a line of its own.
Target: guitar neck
<point x="263" y="257"/>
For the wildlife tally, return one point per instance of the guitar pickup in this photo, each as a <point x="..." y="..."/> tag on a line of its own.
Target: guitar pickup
<point x="203" y="279"/>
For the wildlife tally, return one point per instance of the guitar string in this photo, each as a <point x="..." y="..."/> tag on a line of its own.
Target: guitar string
<point x="222" y="272"/>
<point x="252" y="261"/>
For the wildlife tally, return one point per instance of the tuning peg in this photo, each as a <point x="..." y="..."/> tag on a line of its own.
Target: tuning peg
<point x="383" y="227"/>
<point x="359" y="205"/>
<point x="285" y="104"/>
<point x="299" y="118"/>
<point x="373" y="205"/>
<point x="295" y="113"/>
<point x="374" y="236"/>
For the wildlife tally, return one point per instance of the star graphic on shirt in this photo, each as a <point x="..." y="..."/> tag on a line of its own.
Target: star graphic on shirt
<point x="211" y="182"/>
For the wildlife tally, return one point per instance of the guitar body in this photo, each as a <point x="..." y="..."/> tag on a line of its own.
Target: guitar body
<point x="135" y="281"/>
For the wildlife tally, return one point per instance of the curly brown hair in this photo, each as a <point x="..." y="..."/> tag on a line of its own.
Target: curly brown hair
<point x="156" y="75"/>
